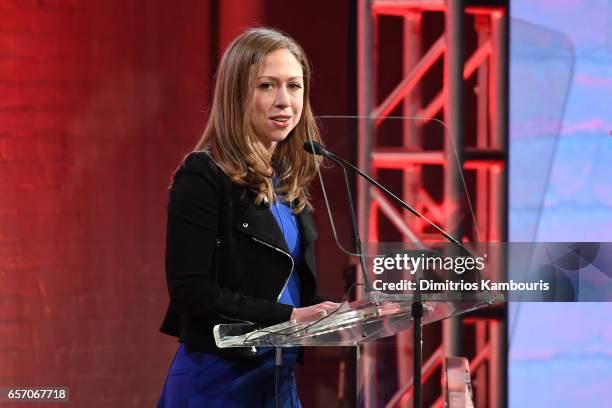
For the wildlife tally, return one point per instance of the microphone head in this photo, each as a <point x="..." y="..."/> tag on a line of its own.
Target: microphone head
<point x="315" y="148"/>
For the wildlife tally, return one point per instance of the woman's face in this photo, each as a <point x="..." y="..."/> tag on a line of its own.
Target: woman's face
<point x="278" y="97"/>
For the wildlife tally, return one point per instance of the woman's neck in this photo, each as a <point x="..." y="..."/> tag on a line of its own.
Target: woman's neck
<point x="268" y="150"/>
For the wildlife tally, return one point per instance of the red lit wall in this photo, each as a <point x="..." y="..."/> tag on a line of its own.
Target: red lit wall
<point x="98" y="102"/>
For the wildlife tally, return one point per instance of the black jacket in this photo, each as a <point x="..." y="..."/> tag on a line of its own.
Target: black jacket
<point x="226" y="258"/>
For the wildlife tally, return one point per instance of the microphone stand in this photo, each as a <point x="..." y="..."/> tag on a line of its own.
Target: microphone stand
<point x="366" y="279"/>
<point x="374" y="296"/>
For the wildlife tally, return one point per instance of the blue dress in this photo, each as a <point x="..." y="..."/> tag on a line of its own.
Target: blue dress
<point x="206" y="380"/>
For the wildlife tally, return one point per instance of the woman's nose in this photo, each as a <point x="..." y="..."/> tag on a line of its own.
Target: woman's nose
<point x="282" y="97"/>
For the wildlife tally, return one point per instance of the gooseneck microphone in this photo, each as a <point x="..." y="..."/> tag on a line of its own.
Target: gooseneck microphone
<point x="316" y="149"/>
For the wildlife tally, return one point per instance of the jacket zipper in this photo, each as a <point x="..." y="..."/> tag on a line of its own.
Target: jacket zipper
<point x="282" y="252"/>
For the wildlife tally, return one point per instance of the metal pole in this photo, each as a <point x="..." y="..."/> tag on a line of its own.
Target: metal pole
<point x="481" y="383"/>
<point x="411" y="174"/>
<point x="454" y="114"/>
<point x="499" y="118"/>
<point x="417" y="340"/>
<point x="365" y="99"/>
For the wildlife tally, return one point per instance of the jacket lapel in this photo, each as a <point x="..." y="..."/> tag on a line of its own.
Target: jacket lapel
<point x="258" y="222"/>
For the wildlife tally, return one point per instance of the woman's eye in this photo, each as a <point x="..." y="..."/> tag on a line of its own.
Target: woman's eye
<point x="265" y="86"/>
<point x="295" y="86"/>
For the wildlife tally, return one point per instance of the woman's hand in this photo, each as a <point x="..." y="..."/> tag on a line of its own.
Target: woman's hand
<point x="300" y="312"/>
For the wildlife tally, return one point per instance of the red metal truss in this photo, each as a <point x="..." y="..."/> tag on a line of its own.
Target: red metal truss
<point x="487" y="158"/>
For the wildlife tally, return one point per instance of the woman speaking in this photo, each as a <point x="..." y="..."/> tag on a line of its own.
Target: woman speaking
<point x="240" y="236"/>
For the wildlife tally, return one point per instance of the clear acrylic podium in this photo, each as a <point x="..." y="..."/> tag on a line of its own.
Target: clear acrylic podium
<point x="375" y="316"/>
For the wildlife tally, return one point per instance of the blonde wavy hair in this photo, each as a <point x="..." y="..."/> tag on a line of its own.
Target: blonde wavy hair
<point x="230" y="138"/>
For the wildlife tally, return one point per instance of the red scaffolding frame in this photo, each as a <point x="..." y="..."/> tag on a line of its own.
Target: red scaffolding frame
<point x="488" y="159"/>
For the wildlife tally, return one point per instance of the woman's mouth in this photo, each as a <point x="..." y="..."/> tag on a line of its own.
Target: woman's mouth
<point x="281" y="121"/>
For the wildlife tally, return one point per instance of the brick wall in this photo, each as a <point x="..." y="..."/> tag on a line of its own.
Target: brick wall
<point x="98" y="102"/>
